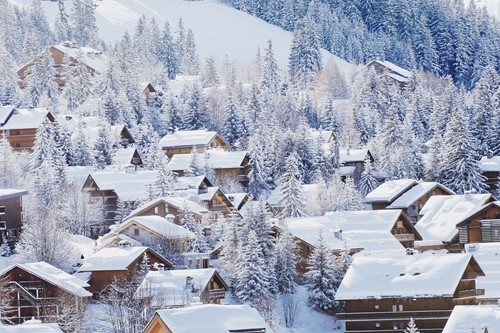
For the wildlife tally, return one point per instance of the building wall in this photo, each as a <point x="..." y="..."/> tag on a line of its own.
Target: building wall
<point x="12" y="218"/>
<point x="20" y="139"/>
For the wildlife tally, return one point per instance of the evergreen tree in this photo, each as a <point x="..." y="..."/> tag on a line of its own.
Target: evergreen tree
<point x="63" y="29"/>
<point x="102" y="147"/>
<point x="229" y="256"/>
<point x="270" y="77"/>
<point x="122" y="211"/>
<point x="164" y="183"/>
<point x="286" y="262"/>
<point x="85" y="30"/>
<point x="411" y="328"/>
<point x="195" y="117"/>
<point x="8" y="77"/>
<point x="195" y="167"/>
<point x="292" y="199"/>
<point x="322" y="277"/>
<point x="460" y="167"/>
<point x="187" y="221"/>
<point x="367" y="181"/>
<point x="233" y="127"/>
<point x="167" y="53"/>
<point x="209" y="76"/>
<point x="81" y="149"/>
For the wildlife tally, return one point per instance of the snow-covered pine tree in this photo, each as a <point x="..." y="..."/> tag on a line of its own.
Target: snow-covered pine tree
<point x="286" y="259"/>
<point x="85" y="31"/>
<point x="270" y="77"/>
<point x="322" y="278"/>
<point x="165" y="181"/>
<point x="62" y="27"/>
<point x="353" y="198"/>
<point x="187" y="221"/>
<point x="460" y="167"/>
<point x="209" y="76"/>
<point x="195" y="110"/>
<point x="8" y="77"/>
<point x="292" y="199"/>
<point x="195" y="166"/>
<point x="233" y="127"/>
<point x="412" y="327"/>
<point x="253" y="280"/>
<point x="367" y="181"/>
<point x="230" y="250"/>
<point x="102" y="147"/>
<point x="81" y="149"/>
<point x="122" y="211"/>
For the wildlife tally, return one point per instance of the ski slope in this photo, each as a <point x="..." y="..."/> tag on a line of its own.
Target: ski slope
<point x="220" y="30"/>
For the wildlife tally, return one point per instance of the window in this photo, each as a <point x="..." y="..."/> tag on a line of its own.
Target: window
<point x="156" y="210"/>
<point x="136" y="232"/>
<point x="376" y="307"/>
<point x="377" y="325"/>
<point x="400" y="307"/>
<point x="394" y="308"/>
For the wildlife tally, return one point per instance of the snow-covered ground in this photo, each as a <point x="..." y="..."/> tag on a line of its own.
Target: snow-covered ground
<point x="220" y="31"/>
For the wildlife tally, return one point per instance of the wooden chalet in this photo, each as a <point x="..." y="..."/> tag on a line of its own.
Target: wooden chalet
<point x="118" y="265"/>
<point x="19" y="126"/>
<point x="354" y="158"/>
<point x="382" y="294"/>
<point x="391" y="72"/>
<point x="153" y="231"/>
<point x="39" y="290"/>
<point x="440" y="217"/>
<point x="482" y="225"/>
<point x="217" y="203"/>
<point x="490" y="168"/>
<point x="94" y="61"/>
<point x="170" y="208"/>
<point x="487" y="256"/>
<point x="222" y="318"/>
<point x="178" y="288"/>
<point x="149" y="92"/>
<point x="11" y="213"/>
<point x="413" y="200"/>
<point x="227" y="165"/>
<point x="183" y="142"/>
<point x="386" y="193"/>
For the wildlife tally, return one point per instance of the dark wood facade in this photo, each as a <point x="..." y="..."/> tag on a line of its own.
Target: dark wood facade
<point x="392" y="314"/>
<point x="413" y="211"/>
<point x="481" y="227"/>
<point x="22" y="139"/>
<point x="216" y="142"/>
<point x="404" y="231"/>
<point x="32" y="297"/>
<point x="11" y="214"/>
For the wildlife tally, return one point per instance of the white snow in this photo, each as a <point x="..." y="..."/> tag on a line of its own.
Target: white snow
<point x="128" y="186"/>
<point x="178" y="203"/>
<point x="487" y="256"/>
<point x="219" y="30"/>
<point x="212" y="318"/>
<point x="407" y="276"/>
<point x="389" y="190"/>
<point x="30" y="326"/>
<point x="8" y="193"/>
<point x="54" y="276"/>
<point x="217" y="159"/>
<point x="352" y="155"/>
<point x="490" y="164"/>
<point x="415" y="193"/>
<point x="168" y="288"/>
<point x="464" y="317"/>
<point x="112" y="259"/>
<point x="187" y="138"/>
<point x="5" y="112"/>
<point x="25" y="119"/>
<point x="158" y="225"/>
<point x="89" y="56"/>
<point x="442" y="213"/>
<point x="123" y="156"/>
<point x="309" y="191"/>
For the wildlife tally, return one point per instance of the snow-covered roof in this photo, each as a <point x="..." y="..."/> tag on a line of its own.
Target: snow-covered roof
<point x="123" y="156"/>
<point x="352" y="155"/>
<point x="179" y="203"/>
<point x="237" y="198"/>
<point x="222" y="319"/>
<point x="168" y="288"/>
<point x="54" y="276"/>
<point x="442" y="213"/>
<point x="406" y="276"/>
<point x="490" y="164"/>
<point x="487" y="256"/>
<point x="217" y="159"/>
<point x="370" y="220"/>
<point x="112" y="259"/>
<point x="87" y="55"/>
<point x="31" y="327"/>
<point x="415" y="193"/>
<point x="378" y="243"/>
<point x="9" y="193"/>
<point x="390" y="190"/>
<point x="78" y="174"/>
<point x="111" y="238"/>
<point x="308" y="191"/>
<point x="307" y="229"/>
<point x="25" y="118"/>
<point x="464" y="317"/>
<point x="398" y="73"/>
<point x="5" y="112"/>
<point x="128" y="186"/>
<point x="187" y="138"/>
<point x="186" y="183"/>
<point x="159" y="225"/>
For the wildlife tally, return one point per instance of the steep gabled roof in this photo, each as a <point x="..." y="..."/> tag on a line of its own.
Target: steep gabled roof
<point x="353" y="155"/>
<point x="31" y="327"/>
<point x="115" y="258"/>
<point x="488" y="257"/>
<point x="221" y="319"/>
<point x="416" y="192"/>
<point x="159" y="226"/>
<point x="5" y="113"/>
<point x="442" y="213"/>
<point x="217" y="159"/>
<point x="87" y="55"/>
<point x="9" y="193"/>
<point x="390" y="190"/>
<point x="421" y="276"/>
<point x="490" y="164"/>
<point x="465" y="317"/>
<point x="54" y="276"/>
<point x="188" y="139"/>
<point x="26" y="119"/>
<point x="178" y="203"/>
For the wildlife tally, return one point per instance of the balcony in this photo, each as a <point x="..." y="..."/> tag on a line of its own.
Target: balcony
<point x="216" y="294"/>
<point x="405" y="237"/>
<point x="2" y="210"/>
<point x="218" y="208"/>
<point x="470" y="293"/>
<point x="391" y="315"/>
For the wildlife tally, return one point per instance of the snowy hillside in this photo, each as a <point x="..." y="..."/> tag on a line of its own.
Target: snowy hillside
<point x="219" y="30"/>
<point x="493" y="6"/>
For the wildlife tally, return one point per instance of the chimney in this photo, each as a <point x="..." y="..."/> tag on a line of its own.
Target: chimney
<point x="124" y="244"/>
<point x="170" y="218"/>
<point x="338" y="234"/>
<point x="469" y="194"/>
